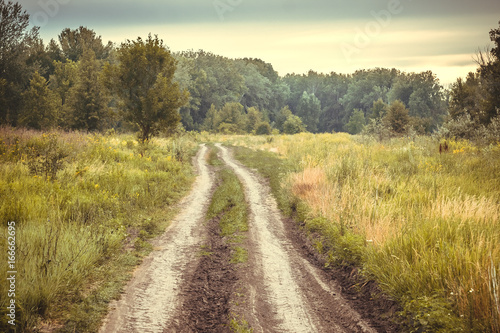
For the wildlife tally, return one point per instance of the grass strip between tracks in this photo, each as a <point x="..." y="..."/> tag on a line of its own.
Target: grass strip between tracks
<point x="229" y="206"/>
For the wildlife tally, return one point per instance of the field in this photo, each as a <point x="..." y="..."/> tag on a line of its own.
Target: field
<point x="84" y="207"/>
<point x="423" y="224"/>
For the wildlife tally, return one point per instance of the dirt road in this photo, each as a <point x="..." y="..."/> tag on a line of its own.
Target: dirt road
<point x="278" y="290"/>
<point x="152" y="296"/>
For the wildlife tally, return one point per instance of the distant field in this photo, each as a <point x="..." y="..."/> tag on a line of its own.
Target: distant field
<point x="424" y="225"/>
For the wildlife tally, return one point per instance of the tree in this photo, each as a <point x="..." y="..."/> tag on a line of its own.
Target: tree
<point x="293" y="125"/>
<point x="144" y="82"/>
<point x="308" y="110"/>
<point x="88" y="99"/>
<point x="254" y="118"/>
<point x="397" y="118"/>
<point x="263" y="129"/>
<point x="75" y="42"/>
<point x="281" y="117"/>
<point x="231" y="118"/>
<point x="379" y="109"/>
<point x="40" y="105"/>
<point x="211" y="122"/>
<point x="490" y="75"/>
<point x="356" y="122"/>
<point x="15" y="74"/>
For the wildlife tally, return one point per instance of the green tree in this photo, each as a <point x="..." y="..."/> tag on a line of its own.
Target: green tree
<point x="356" y="122"/>
<point x="211" y="120"/>
<point x="309" y="110"/>
<point x="263" y="129"/>
<point x="379" y="109"/>
<point x="293" y="125"/>
<point x="281" y="117"/>
<point x="254" y="118"/>
<point x="490" y="75"/>
<point x="39" y="105"/>
<point x="231" y="118"/>
<point x="88" y="100"/>
<point x="61" y="82"/>
<point x="15" y="74"/>
<point x="75" y="42"/>
<point x="397" y="118"/>
<point x="144" y="82"/>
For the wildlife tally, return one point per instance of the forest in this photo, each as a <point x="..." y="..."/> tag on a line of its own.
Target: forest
<point x="80" y="82"/>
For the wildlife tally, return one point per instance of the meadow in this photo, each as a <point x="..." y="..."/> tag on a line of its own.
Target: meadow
<point x="423" y="224"/>
<point x="84" y="207"/>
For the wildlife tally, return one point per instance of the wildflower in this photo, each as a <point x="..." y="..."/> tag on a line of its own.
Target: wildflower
<point x="96" y="186"/>
<point x="471" y="290"/>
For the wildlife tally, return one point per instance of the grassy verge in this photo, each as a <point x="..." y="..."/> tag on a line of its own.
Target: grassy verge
<point x="228" y="205"/>
<point x="84" y="207"/>
<point x="424" y="225"/>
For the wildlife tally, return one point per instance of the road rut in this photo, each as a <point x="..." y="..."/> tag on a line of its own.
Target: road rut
<point x="283" y="291"/>
<point x="151" y="297"/>
<point x="301" y="298"/>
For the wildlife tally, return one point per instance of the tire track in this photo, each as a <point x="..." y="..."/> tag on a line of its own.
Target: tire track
<point x="152" y="295"/>
<point x="300" y="298"/>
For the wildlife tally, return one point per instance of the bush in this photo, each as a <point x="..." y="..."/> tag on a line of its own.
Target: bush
<point x="45" y="156"/>
<point x="263" y="129"/>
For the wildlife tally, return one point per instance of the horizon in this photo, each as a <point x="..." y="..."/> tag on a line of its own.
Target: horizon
<point x="292" y="35"/>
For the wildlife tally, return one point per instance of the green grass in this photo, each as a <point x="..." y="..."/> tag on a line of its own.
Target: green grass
<point x="228" y="205"/>
<point x="424" y="225"/>
<point x="85" y="207"/>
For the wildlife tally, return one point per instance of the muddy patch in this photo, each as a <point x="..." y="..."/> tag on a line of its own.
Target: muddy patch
<point x="207" y="292"/>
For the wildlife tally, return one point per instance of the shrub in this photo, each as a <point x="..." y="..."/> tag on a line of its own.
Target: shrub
<point x="263" y="129"/>
<point x="45" y="156"/>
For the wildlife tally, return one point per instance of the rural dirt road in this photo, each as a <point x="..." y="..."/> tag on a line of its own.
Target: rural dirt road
<point x="277" y="290"/>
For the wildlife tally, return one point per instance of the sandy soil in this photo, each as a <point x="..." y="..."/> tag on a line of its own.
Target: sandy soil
<point x="280" y="289"/>
<point x="300" y="297"/>
<point x="152" y="295"/>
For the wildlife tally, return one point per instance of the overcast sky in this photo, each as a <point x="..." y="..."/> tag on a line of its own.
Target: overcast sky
<point x="295" y="35"/>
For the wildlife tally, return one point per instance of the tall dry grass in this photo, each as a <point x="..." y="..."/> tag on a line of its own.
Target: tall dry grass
<point x="430" y="221"/>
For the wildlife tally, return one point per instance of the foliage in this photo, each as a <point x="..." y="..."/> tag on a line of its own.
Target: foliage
<point x="39" y="105"/>
<point x="397" y="118"/>
<point x="74" y="43"/>
<point x="263" y="129"/>
<point x="356" y="122"/>
<point x="45" y="156"/>
<point x="475" y="101"/>
<point x="293" y="125"/>
<point x="144" y="82"/>
<point x="88" y="98"/>
<point x="14" y="45"/>
<point x="308" y="110"/>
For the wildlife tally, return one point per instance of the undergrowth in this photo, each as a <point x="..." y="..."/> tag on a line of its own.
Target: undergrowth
<point x="85" y="206"/>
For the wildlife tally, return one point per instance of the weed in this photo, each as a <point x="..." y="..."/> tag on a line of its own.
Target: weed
<point x="72" y="230"/>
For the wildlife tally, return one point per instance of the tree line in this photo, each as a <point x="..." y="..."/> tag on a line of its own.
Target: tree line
<point x="80" y="82"/>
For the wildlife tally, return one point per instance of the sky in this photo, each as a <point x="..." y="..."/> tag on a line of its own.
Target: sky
<point x="295" y="36"/>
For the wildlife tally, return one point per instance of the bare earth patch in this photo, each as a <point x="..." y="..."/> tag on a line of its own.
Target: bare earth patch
<point x="152" y="296"/>
<point x="189" y="285"/>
